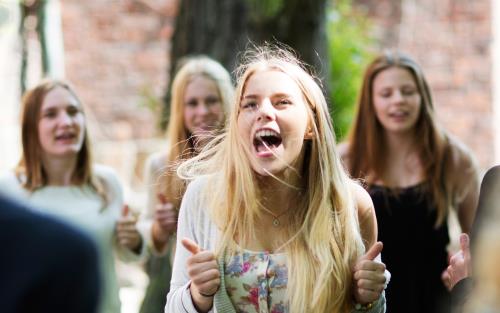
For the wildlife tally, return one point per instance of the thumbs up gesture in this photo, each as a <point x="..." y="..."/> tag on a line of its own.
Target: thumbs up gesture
<point x="126" y="231"/>
<point x="460" y="264"/>
<point x="369" y="279"/>
<point x="203" y="272"/>
<point x="165" y="222"/>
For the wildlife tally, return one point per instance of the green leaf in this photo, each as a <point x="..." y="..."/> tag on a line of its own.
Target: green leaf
<point x="350" y="48"/>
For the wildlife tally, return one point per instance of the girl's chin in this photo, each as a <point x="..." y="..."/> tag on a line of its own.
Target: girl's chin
<point x="276" y="170"/>
<point x="63" y="154"/>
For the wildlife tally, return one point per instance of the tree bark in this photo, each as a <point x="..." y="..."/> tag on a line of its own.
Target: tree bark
<point x="222" y="29"/>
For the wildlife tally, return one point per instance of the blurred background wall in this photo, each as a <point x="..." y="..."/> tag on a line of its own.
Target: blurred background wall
<point x="453" y="40"/>
<point x="118" y="54"/>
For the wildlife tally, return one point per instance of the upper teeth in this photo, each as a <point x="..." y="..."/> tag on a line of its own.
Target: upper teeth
<point x="266" y="132"/>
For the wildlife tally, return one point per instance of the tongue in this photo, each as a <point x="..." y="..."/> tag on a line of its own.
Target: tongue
<point x="261" y="147"/>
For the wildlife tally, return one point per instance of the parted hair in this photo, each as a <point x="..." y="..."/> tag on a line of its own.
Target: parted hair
<point x="30" y="170"/>
<point x="179" y="139"/>
<point x="438" y="152"/>
<point x="324" y="236"/>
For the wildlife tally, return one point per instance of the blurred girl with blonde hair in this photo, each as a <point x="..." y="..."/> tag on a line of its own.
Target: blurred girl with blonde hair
<point x="200" y="100"/>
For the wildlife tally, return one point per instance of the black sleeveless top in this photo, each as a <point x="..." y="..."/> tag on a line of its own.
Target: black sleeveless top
<point x="414" y="250"/>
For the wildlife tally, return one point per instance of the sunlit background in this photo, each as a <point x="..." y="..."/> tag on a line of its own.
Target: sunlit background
<point x="118" y="53"/>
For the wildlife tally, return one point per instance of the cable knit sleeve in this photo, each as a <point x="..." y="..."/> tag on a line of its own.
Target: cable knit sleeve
<point x="194" y="224"/>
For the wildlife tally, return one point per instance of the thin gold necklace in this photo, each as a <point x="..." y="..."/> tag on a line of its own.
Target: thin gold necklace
<point x="276" y="220"/>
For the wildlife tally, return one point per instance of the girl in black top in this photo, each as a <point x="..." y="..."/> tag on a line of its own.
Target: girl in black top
<point x="416" y="174"/>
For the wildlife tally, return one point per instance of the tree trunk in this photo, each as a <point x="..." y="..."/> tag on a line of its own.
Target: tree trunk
<point x="24" y="47"/>
<point x="42" y="36"/>
<point x="222" y="29"/>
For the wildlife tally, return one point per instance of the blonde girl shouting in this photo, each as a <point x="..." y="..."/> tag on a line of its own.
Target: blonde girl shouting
<point x="271" y="222"/>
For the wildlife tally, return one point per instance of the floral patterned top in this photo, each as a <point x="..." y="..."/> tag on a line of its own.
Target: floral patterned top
<point x="256" y="281"/>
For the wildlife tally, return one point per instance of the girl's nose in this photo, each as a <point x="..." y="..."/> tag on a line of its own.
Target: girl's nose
<point x="398" y="96"/>
<point x="65" y="118"/>
<point x="266" y="110"/>
<point x="202" y="109"/>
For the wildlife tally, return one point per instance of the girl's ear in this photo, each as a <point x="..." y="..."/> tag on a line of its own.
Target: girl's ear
<point x="309" y="133"/>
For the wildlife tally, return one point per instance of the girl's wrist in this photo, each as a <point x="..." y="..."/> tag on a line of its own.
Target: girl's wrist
<point x="160" y="237"/>
<point x="201" y="302"/>
<point x="138" y="247"/>
<point x="359" y="307"/>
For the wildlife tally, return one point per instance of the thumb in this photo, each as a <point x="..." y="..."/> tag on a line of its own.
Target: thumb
<point x="372" y="253"/>
<point x="464" y="244"/>
<point x="190" y="245"/>
<point x="125" y="210"/>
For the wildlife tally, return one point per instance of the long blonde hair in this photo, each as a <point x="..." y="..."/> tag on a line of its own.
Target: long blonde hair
<point x="179" y="139"/>
<point x="436" y="151"/>
<point x="324" y="233"/>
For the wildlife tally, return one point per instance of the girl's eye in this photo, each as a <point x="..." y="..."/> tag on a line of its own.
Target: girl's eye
<point x="385" y="94"/>
<point x="212" y="100"/>
<point x="192" y="103"/>
<point x="49" y="114"/>
<point x="249" y="105"/>
<point x="408" y="91"/>
<point x="72" y="111"/>
<point x="284" y="102"/>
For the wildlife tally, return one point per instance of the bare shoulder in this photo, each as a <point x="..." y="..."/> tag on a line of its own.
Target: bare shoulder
<point x="363" y="200"/>
<point x="366" y="214"/>
<point x="461" y="156"/>
<point x="465" y="168"/>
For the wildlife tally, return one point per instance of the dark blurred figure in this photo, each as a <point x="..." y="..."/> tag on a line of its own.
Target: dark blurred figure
<point x="46" y="266"/>
<point x="484" y="243"/>
<point x="489" y="200"/>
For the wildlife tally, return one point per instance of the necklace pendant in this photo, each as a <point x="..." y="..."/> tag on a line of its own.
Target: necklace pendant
<point x="276" y="222"/>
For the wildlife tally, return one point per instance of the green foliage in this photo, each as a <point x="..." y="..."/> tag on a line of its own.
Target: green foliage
<point x="149" y="100"/>
<point x="265" y="9"/>
<point x="349" y="51"/>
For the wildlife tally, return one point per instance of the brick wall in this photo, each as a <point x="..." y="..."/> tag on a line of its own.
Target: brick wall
<point x="116" y="51"/>
<point x="451" y="39"/>
<point x="117" y="57"/>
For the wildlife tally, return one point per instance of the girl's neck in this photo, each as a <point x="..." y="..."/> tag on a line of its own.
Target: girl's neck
<point x="277" y="196"/>
<point x="59" y="170"/>
<point x="400" y="145"/>
<point x="403" y="160"/>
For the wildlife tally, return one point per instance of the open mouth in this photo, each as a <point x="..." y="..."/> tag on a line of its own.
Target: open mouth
<point x="399" y="114"/>
<point x="266" y="139"/>
<point x="66" y="136"/>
